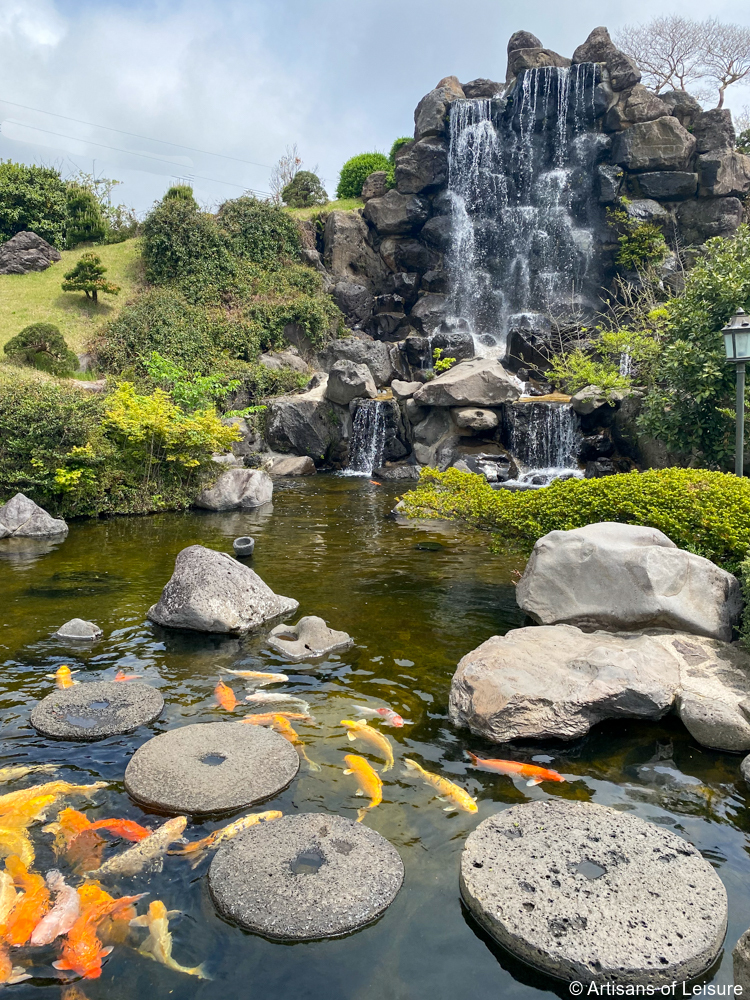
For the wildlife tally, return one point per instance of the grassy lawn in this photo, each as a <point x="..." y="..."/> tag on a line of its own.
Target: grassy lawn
<point x="37" y="297"/>
<point x="344" y="205"/>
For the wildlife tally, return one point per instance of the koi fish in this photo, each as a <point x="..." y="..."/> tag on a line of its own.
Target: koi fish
<point x="368" y="781"/>
<point x="122" y="676"/>
<point x="71" y="823"/>
<point x="82" y="951"/>
<point x="30" y="907"/>
<point x="8" y="896"/>
<point x="23" y="801"/>
<point x="374" y="482"/>
<point x="266" y="718"/>
<point x="259" y="677"/>
<point x="14" y="771"/>
<point x="269" y="697"/>
<point x="158" y="944"/>
<point x="198" y="847"/>
<point x="10" y="973"/>
<point x="361" y="731"/>
<point x="534" y="774"/>
<point x="286" y="729"/>
<point x="147" y="854"/>
<point x="225" y="696"/>
<point x="63" y="914"/>
<point x="63" y="677"/>
<point x="17" y="841"/>
<point x="458" y="797"/>
<point x="389" y="717"/>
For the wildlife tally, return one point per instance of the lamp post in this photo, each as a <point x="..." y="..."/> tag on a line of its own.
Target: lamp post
<point x="737" y="346"/>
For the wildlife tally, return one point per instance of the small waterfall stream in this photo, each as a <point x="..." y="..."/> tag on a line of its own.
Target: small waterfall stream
<point x="544" y="439"/>
<point x="368" y="437"/>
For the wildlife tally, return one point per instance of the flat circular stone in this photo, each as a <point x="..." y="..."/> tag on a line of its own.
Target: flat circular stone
<point x="305" y="877"/>
<point x="211" y="768"/>
<point x="95" y="710"/>
<point x="590" y="894"/>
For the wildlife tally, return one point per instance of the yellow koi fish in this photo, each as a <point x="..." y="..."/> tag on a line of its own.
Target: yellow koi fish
<point x="284" y="727"/>
<point x="259" y="677"/>
<point x="14" y="771"/>
<point x="8" y="896"/>
<point x="361" y="731"/>
<point x="16" y="802"/>
<point x="198" y="847"/>
<point x="458" y="797"/>
<point x="158" y="944"/>
<point x="368" y="781"/>
<point x="63" y="677"/>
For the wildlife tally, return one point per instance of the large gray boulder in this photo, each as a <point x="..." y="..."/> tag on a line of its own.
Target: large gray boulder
<point x="599" y="48"/>
<point x="480" y="382"/>
<point x="724" y="172"/>
<point x="624" y="576"/>
<point x="633" y="106"/>
<point x="375" y="185"/>
<point x="354" y="301"/>
<point x="714" y="130"/>
<point x="347" y="381"/>
<point x="309" y="424"/>
<point x="422" y="166"/>
<point x="291" y="465"/>
<point x="382" y="359"/>
<point x="668" y="185"/>
<point x="347" y="253"/>
<point x="701" y="219"/>
<point x="237" y="489"/>
<point x="26" y="252"/>
<point x="657" y="145"/>
<point x="682" y="106"/>
<point x="397" y="214"/>
<point x="20" y="517"/>
<point x="211" y="592"/>
<point x="431" y="114"/>
<point x="534" y="58"/>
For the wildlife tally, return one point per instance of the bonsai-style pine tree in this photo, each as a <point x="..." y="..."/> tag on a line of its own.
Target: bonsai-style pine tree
<point x="88" y="276"/>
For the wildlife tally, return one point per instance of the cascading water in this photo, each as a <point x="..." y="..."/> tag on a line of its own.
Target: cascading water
<point x="521" y="183"/>
<point x="544" y="439"/>
<point x="368" y="438"/>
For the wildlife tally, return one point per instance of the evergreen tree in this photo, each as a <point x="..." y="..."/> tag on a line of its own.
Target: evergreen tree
<point x="85" y="223"/>
<point x="88" y="276"/>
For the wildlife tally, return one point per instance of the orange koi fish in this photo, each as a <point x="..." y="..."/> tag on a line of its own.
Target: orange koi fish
<point x="63" y="677"/>
<point x="31" y="906"/>
<point x="82" y="951"/>
<point x="122" y="676"/>
<point x="72" y="823"/>
<point x="10" y="973"/>
<point x="14" y="804"/>
<point x="361" y="731"/>
<point x="534" y="774"/>
<point x="286" y="729"/>
<point x="266" y="718"/>
<point x="199" y="847"/>
<point x="225" y="696"/>
<point x="368" y="781"/>
<point x="457" y="797"/>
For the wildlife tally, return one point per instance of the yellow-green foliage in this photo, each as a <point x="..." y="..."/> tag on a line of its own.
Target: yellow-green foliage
<point x="321" y="211"/>
<point x="704" y="512"/>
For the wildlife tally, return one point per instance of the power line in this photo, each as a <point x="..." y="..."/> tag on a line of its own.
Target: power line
<point x="130" y="152"/>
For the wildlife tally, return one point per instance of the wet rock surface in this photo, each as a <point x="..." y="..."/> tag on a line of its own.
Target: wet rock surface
<point x="591" y="894"/>
<point x="215" y="767"/>
<point x="211" y="592"/>
<point x="305" y="877"/>
<point x="96" y="710"/>
<point x="480" y="382"/>
<point x="237" y="489"/>
<point x="79" y="630"/>
<point x="310" y="637"/>
<point x="20" y="517"/>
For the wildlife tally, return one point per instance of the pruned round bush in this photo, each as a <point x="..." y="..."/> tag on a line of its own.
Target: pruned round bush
<point x="704" y="512"/>
<point x="304" y="191"/>
<point x="42" y="346"/>
<point x="355" y="172"/>
<point x="259" y="231"/>
<point x="181" y="192"/>
<point x="398" y="144"/>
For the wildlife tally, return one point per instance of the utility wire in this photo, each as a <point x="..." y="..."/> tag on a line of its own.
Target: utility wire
<point x="131" y="152"/>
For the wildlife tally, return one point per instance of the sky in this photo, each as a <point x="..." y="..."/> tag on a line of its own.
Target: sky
<point x="247" y="78"/>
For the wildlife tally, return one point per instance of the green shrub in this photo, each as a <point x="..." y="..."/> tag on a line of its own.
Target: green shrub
<point x="744" y="575"/>
<point x="576" y="369"/>
<point x="304" y="191"/>
<point x="43" y="347"/>
<point x="259" y="231"/>
<point x="34" y="199"/>
<point x="641" y="243"/>
<point x="85" y="223"/>
<point x="397" y="144"/>
<point x="88" y="277"/>
<point x="702" y="511"/>
<point x="181" y="192"/>
<point x="743" y="142"/>
<point x="355" y="172"/>
<point x="189" y="390"/>
<point x="181" y="243"/>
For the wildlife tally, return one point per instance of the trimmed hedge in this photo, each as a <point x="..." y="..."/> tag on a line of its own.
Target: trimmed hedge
<point x="704" y="512"/>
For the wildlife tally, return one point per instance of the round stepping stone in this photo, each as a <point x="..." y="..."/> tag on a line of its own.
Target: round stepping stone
<point x="305" y="877"/>
<point x="93" y="711"/>
<point x="590" y="894"/>
<point x="211" y="768"/>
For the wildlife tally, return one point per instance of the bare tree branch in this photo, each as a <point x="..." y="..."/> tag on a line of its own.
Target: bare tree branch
<point x="727" y="54"/>
<point x="669" y="51"/>
<point x="285" y="171"/>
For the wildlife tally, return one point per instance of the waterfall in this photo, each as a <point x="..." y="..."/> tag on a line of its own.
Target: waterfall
<point x="544" y="439"/>
<point x="368" y="437"/>
<point x="521" y="185"/>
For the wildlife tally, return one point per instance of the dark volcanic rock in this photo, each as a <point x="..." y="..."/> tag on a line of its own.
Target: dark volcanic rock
<point x="714" y="130"/>
<point x="682" y="105"/>
<point x="668" y="185"/>
<point x="396" y="213"/>
<point x="599" y="48"/>
<point x="658" y="145"/>
<point x="700" y="220"/>
<point x="26" y="252"/>
<point x="422" y="166"/>
<point x="354" y="301"/>
<point x="480" y="87"/>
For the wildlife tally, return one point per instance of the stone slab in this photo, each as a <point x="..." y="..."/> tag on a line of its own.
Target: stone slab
<point x="96" y="710"/>
<point x="305" y="877"/>
<point x="309" y="638"/>
<point x="211" y="768"/>
<point x="591" y="894"/>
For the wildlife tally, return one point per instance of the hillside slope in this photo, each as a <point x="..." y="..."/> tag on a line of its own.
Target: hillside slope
<point x="37" y="297"/>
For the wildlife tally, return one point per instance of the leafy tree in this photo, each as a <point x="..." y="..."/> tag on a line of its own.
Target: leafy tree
<point x="355" y="172"/>
<point x="398" y="144"/>
<point x="743" y="142"/>
<point x="42" y="346"/>
<point x="88" y="276"/>
<point x="85" y="223"/>
<point x="259" y="231"/>
<point x="191" y="391"/>
<point x="304" y="191"/>
<point x="120" y="221"/>
<point x="32" y="199"/>
<point x="641" y="243"/>
<point x="181" y="192"/>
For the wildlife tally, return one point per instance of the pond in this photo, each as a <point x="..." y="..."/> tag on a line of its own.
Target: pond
<point x="415" y="598"/>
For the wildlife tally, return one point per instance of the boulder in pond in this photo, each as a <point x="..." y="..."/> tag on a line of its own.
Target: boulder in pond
<point x="291" y="465"/>
<point x="348" y="380"/>
<point x="237" y="489"/>
<point x="479" y="382"/>
<point x="309" y="638"/>
<point x="79" y="630"/>
<point x="20" y="517"/>
<point x="211" y="592"/>
<point x="624" y="576"/>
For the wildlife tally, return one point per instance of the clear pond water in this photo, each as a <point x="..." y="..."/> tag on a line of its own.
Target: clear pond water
<point x="415" y="598"/>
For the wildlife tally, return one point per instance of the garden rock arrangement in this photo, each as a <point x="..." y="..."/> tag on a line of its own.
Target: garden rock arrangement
<point x="20" y="517"/>
<point x="96" y="710"/>
<point x="309" y="638"/>
<point x="305" y="877"/>
<point x="623" y="576"/>
<point x="79" y="630"/>
<point x="214" y="767"/>
<point x="211" y="592"/>
<point x="590" y="894"/>
<point x="237" y="489"/>
<point x="27" y="252"/>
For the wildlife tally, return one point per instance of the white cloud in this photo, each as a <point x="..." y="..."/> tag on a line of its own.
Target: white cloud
<point x="35" y="21"/>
